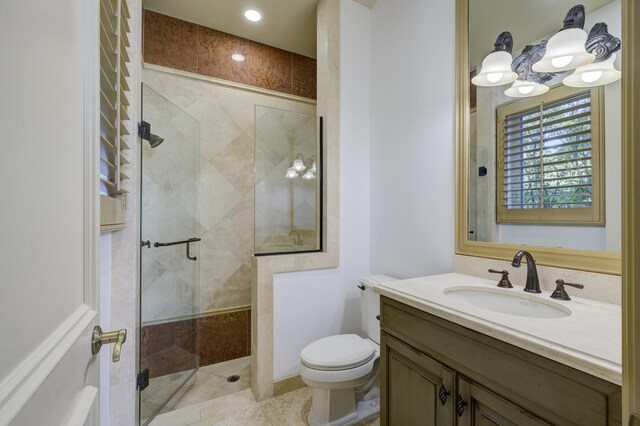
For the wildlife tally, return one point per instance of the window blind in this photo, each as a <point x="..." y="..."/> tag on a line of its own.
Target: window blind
<point x="547" y="155"/>
<point x="114" y="60"/>
<point x="550" y="158"/>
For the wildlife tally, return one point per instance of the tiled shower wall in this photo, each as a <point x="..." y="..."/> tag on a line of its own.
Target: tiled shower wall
<point x="185" y="46"/>
<point x="226" y="116"/>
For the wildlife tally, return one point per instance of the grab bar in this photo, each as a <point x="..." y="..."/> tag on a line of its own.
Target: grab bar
<point x="175" y="243"/>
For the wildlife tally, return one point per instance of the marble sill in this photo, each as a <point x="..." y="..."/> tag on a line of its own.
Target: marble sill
<point x="589" y="340"/>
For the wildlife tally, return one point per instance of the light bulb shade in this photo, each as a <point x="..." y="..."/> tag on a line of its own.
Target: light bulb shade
<point x="565" y="51"/>
<point x="309" y="175"/>
<point x="291" y="173"/>
<point x="313" y="167"/>
<point x="496" y="70"/>
<point x="526" y="89"/>
<point x="298" y="165"/>
<point x="594" y="74"/>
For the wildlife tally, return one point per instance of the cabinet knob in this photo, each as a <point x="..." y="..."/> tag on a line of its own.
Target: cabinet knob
<point x="460" y="404"/>
<point x="443" y="394"/>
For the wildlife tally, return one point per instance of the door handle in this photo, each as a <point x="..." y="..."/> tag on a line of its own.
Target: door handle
<point x="100" y="338"/>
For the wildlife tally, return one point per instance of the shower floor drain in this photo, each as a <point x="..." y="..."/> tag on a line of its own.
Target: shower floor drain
<point x="233" y="379"/>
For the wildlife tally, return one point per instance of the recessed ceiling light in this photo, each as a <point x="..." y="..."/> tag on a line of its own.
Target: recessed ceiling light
<point x="237" y="57"/>
<point x="253" y="15"/>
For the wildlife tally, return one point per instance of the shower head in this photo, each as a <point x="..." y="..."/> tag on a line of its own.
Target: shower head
<point x="144" y="131"/>
<point x="155" y="140"/>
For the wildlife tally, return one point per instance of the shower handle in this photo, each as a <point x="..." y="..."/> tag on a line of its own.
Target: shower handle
<point x="194" y="258"/>
<point x="187" y="242"/>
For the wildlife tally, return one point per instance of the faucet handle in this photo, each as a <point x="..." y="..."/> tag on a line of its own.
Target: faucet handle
<point x="504" y="281"/>
<point x="560" y="293"/>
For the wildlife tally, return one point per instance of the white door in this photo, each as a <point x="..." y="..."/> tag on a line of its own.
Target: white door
<point x="48" y="212"/>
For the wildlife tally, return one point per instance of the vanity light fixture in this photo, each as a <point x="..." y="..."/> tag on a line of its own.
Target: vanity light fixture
<point x="566" y="50"/>
<point x="496" y="67"/>
<point x="299" y="165"/>
<point x="309" y="175"/>
<point x="291" y="173"/>
<point x="529" y="83"/>
<point x="595" y="74"/>
<point x="252" y="15"/>
<point x="525" y="89"/>
<point x="601" y="71"/>
<point x="238" y="57"/>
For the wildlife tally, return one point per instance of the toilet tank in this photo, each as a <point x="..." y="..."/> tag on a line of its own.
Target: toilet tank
<point x="370" y="305"/>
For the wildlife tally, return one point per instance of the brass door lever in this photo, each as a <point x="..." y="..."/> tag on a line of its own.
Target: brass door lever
<point x="100" y="338"/>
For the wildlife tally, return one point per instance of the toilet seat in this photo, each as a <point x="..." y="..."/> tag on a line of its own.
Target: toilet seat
<point x="337" y="353"/>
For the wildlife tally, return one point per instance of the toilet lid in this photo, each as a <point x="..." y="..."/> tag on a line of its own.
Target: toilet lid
<point x="339" y="352"/>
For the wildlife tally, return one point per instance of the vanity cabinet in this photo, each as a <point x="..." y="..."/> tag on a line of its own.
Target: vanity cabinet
<point x="415" y="386"/>
<point x="435" y="372"/>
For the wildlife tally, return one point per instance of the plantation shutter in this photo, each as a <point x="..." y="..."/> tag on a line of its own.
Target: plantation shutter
<point x="114" y="60"/>
<point x="549" y="159"/>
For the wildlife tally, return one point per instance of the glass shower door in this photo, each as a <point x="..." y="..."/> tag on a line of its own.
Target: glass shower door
<point x="169" y="270"/>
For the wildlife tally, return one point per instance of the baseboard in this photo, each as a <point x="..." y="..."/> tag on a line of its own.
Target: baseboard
<point x="287" y="384"/>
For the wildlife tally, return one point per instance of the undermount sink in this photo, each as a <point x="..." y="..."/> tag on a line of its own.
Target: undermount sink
<point x="510" y="302"/>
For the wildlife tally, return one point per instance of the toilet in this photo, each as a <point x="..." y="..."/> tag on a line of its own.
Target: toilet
<point x="343" y="370"/>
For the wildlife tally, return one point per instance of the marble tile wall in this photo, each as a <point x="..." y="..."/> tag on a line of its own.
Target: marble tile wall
<point x="171" y="347"/>
<point x="185" y="46"/>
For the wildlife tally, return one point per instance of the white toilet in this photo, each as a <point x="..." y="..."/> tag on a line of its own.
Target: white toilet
<point x="343" y="370"/>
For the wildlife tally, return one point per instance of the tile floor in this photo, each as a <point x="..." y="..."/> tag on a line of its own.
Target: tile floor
<point x="240" y="408"/>
<point x="210" y="382"/>
<point x="208" y="399"/>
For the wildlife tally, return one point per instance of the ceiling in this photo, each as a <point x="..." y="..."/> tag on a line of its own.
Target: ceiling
<point x="527" y="20"/>
<point x="286" y="24"/>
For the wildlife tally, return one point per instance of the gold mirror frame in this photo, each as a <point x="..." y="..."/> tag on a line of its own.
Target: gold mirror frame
<point x="584" y="260"/>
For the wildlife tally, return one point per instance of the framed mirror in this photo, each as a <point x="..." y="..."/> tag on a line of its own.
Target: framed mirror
<point x="539" y="136"/>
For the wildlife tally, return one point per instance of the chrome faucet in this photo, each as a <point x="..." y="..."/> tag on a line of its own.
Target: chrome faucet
<point x="296" y="237"/>
<point x="533" y="284"/>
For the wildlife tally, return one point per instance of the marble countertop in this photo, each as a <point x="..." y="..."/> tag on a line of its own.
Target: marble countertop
<point x="589" y="340"/>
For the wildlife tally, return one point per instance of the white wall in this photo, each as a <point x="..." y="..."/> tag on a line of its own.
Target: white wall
<point x="313" y="304"/>
<point x="412" y="137"/>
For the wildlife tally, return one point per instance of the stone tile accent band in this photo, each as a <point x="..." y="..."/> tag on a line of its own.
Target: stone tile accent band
<point x="185" y="46"/>
<point x="170" y="347"/>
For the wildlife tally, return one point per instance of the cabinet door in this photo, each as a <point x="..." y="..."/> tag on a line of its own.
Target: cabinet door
<point x="416" y="390"/>
<point x="477" y="406"/>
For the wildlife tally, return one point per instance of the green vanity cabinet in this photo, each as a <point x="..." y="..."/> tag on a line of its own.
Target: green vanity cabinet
<point x="484" y="408"/>
<point x="435" y="372"/>
<point x="415" y="383"/>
